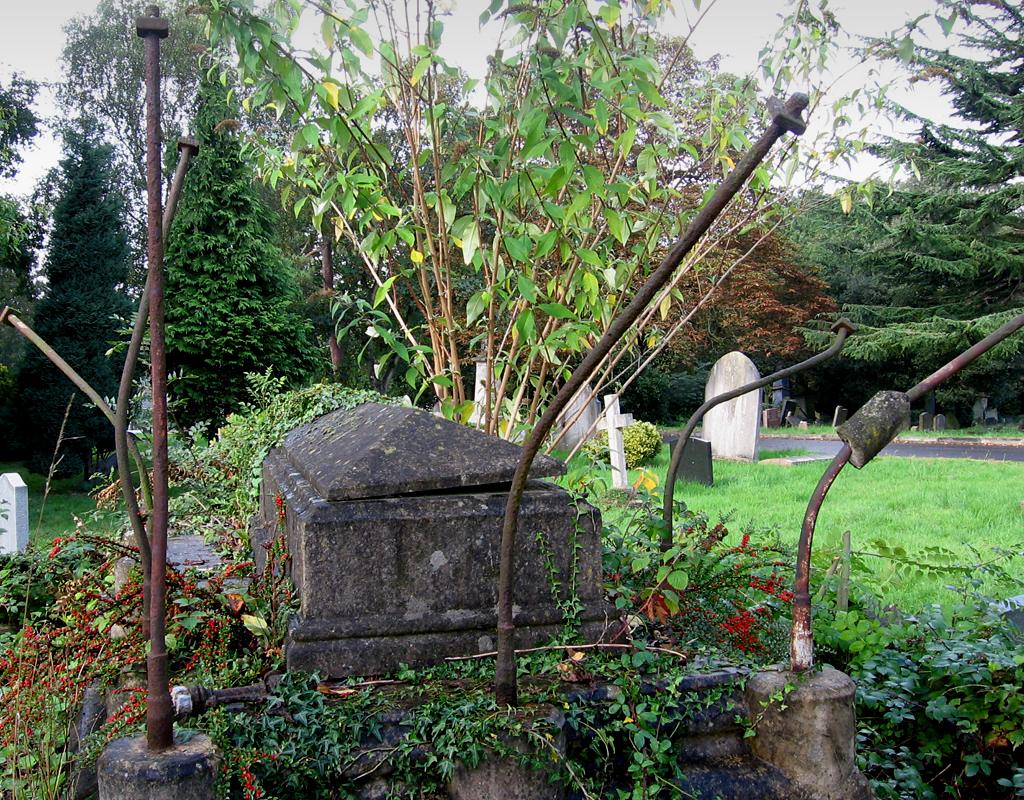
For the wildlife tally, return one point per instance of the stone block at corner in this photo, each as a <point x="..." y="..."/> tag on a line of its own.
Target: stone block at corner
<point x="810" y="735"/>
<point x="505" y="778"/>
<point x="127" y="770"/>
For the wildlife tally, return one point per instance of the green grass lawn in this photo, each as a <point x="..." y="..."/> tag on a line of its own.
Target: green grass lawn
<point x="911" y="503"/>
<point x="66" y="500"/>
<point x="983" y="432"/>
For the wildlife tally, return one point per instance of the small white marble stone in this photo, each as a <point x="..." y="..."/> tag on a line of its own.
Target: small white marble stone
<point x="13" y="513"/>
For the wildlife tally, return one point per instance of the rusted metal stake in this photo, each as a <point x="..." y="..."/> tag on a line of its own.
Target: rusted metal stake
<point x="784" y="118"/>
<point x="801" y="642"/>
<point x="7" y="316"/>
<point x="159" y="730"/>
<point x="842" y="328"/>
<point x="186" y="148"/>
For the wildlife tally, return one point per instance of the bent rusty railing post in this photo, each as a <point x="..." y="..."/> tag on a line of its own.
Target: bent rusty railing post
<point x="864" y="435"/>
<point x="842" y="328"/>
<point x="785" y="118"/>
<point x="7" y="316"/>
<point x="159" y="729"/>
<point x="122" y="442"/>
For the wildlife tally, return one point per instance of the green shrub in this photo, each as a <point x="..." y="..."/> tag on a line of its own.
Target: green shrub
<point x="641" y="442"/>
<point x="939" y="706"/>
<point x="222" y="475"/>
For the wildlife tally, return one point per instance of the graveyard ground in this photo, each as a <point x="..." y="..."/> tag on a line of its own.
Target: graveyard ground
<point x="1007" y="432"/>
<point x="65" y="501"/>
<point x="922" y="513"/>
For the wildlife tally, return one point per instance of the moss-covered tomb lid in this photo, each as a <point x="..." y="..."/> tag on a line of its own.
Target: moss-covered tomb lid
<point x="375" y="450"/>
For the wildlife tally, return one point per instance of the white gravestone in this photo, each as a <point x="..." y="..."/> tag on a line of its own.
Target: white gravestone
<point x="583" y="428"/>
<point x="733" y="427"/>
<point x="13" y="513"/>
<point x="614" y="422"/>
<point x="480" y="399"/>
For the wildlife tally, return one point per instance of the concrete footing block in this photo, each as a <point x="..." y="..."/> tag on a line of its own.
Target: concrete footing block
<point x="504" y="778"/>
<point x="127" y="770"/>
<point x="810" y="734"/>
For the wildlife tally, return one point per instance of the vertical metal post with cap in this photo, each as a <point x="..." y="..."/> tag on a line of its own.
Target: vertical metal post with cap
<point x="159" y="728"/>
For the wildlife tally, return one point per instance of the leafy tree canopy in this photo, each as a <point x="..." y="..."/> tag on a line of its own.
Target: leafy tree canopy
<point x="103" y="68"/>
<point x="230" y="292"/>
<point x="512" y="229"/>
<point x="938" y="263"/>
<point x="84" y="306"/>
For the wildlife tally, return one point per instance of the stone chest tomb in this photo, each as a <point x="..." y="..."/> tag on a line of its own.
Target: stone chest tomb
<point x="392" y="518"/>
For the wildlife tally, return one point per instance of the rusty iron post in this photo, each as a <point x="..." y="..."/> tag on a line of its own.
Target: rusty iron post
<point x="159" y="729"/>
<point x="785" y="118"/>
<point x="187" y="147"/>
<point x="886" y="411"/>
<point x="842" y="328"/>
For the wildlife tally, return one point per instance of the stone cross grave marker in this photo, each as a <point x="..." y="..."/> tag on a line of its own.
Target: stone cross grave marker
<point x="614" y="422"/>
<point x="732" y="427"/>
<point x="13" y="513"/>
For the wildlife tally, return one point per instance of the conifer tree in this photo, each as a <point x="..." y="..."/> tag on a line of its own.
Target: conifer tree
<point x="231" y="295"/>
<point x="83" y="308"/>
<point x="938" y="264"/>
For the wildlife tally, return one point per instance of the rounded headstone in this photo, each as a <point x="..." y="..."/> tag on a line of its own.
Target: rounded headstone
<point x="733" y="427"/>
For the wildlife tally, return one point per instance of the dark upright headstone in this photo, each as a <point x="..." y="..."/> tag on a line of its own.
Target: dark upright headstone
<point x="696" y="465"/>
<point x="924" y="422"/>
<point x="1013" y="611"/>
<point x="839" y="417"/>
<point x="789" y="409"/>
<point x="939" y="423"/>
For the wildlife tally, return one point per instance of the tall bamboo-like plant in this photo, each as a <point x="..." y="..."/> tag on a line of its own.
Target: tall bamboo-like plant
<point x="508" y="220"/>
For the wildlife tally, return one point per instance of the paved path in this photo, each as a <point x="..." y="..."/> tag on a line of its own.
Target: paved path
<point x="829" y="447"/>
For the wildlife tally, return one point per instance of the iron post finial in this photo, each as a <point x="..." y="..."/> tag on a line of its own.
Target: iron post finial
<point x="152" y="24"/>
<point x="843" y="324"/>
<point x="788" y="115"/>
<point x="188" y="143"/>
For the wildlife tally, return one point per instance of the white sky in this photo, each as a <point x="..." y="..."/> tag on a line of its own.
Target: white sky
<point x="31" y="39"/>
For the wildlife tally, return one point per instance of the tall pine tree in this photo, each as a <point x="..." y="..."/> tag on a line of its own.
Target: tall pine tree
<point x="83" y="308"/>
<point x="231" y="295"/>
<point x="938" y="264"/>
